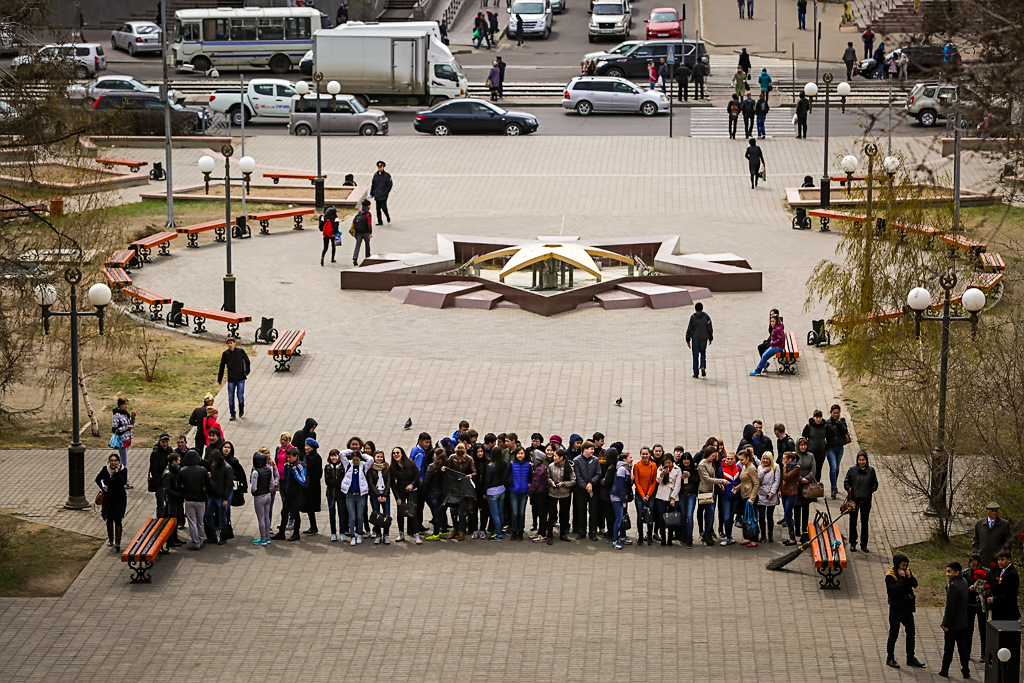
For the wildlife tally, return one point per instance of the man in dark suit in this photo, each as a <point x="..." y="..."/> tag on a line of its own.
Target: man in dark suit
<point x="1005" y="584"/>
<point x="956" y="621"/>
<point x="991" y="535"/>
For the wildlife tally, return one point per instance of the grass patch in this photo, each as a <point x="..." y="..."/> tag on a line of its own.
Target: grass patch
<point x="41" y="561"/>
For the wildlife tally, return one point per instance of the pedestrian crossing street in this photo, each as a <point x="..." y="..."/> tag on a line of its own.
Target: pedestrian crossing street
<point x="713" y="122"/>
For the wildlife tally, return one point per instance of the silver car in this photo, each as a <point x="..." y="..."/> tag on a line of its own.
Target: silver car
<point x="341" y="114"/>
<point x="136" y="36"/>
<point x="587" y="94"/>
<point x="91" y="91"/>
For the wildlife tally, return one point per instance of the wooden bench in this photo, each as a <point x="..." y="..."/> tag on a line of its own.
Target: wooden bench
<point x="267" y="216"/>
<point x="192" y="231"/>
<point x="125" y="259"/>
<point x="117" y="277"/>
<point x="286" y="346"/>
<point x="140" y="295"/>
<point x="10" y="213"/>
<point x="788" y="358"/>
<point x="963" y="243"/>
<point x="992" y="262"/>
<point x="133" y="164"/>
<point x="829" y="553"/>
<point x="827" y="215"/>
<point x="986" y="282"/>
<point x="916" y="229"/>
<point x="276" y="177"/>
<point x="200" y="315"/>
<point x="144" y="247"/>
<point x="147" y="544"/>
<point x="841" y="178"/>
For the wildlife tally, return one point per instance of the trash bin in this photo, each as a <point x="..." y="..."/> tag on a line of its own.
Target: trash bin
<point x="57" y="206"/>
<point x="999" y="635"/>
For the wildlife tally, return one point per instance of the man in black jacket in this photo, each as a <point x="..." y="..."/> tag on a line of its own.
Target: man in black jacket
<point x="237" y="363"/>
<point x="172" y="494"/>
<point x="956" y="621"/>
<point x="747" y="109"/>
<point x="699" y="72"/>
<point x="899" y="586"/>
<point x="501" y="66"/>
<point x="803" y="106"/>
<point x="192" y="479"/>
<point x="1005" y="584"/>
<point x="683" y="79"/>
<point x="157" y="464"/>
<point x="699" y="335"/>
<point x="380" y="189"/>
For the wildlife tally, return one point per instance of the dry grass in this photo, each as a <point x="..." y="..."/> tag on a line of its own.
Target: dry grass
<point x="42" y="561"/>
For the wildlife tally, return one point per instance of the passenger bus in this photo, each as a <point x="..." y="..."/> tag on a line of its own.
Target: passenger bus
<point x="275" y="37"/>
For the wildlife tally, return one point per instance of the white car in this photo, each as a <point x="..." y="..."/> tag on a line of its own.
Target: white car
<point x="89" y="57"/>
<point x="91" y="91"/>
<point x="136" y="36"/>
<point x="610" y="18"/>
<point x="537" y="18"/>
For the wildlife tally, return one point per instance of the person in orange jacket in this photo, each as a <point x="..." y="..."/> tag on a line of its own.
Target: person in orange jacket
<point x="645" y="474"/>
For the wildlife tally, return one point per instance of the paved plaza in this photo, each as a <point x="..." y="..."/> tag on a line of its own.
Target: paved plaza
<point x="480" y="611"/>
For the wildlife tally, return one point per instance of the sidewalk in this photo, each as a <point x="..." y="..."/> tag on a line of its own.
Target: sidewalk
<point x="462" y="32"/>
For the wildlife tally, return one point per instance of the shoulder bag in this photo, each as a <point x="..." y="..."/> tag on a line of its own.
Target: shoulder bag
<point x="238" y="497"/>
<point x="812" y="490"/>
<point x="849" y="505"/>
<point x="706" y="498"/>
<point x="751" y="530"/>
<point x="115" y="441"/>
<point x="674" y="519"/>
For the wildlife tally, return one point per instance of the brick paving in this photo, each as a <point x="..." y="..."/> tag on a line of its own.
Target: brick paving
<point x="487" y="611"/>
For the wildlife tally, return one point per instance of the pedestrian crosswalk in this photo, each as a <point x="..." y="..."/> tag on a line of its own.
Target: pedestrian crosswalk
<point x="713" y="122"/>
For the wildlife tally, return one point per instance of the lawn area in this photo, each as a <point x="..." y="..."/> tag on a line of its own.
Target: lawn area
<point x="40" y="561"/>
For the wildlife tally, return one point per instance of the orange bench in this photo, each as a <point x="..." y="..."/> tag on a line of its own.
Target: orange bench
<point x="286" y="346"/>
<point x="117" y="277"/>
<point x="992" y="262"/>
<point x="829" y="553"/>
<point x="841" y="178"/>
<point x="124" y="258"/>
<point x="193" y="231"/>
<point x="201" y="314"/>
<point x="147" y="544"/>
<point x="141" y="296"/>
<point x="132" y="164"/>
<point x="144" y="247"/>
<point x="276" y="177"/>
<point x="917" y="229"/>
<point x="8" y="213"/>
<point x="986" y="282"/>
<point x="789" y="357"/>
<point x="963" y="243"/>
<point x="267" y="216"/>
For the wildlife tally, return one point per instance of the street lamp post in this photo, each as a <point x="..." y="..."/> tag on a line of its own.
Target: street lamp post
<point x="333" y="88"/>
<point x="919" y="301"/>
<point x="246" y="165"/>
<point x="810" y="90"/>
<point x="99" y="296"/>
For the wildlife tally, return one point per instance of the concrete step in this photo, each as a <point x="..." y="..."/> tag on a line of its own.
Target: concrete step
<point x="439" y="296"/>
<point x="482" y="300"/>
<point x="658" y="296"/>
<point x="617" y="299"/>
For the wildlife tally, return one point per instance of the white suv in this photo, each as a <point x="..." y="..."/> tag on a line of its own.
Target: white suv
<point x="612" y="18"/>
<point x="89" y="57"/>
<point x="537" y="18"/>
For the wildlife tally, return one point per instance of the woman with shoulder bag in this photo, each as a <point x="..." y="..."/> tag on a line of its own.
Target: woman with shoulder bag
<point x="706" y="491"/>
<point x="669" y="482"/>
<point x="378" y="478"/>
<point x="113" y="480"/>
<point x="806" y="461"/>
<point x="789" y="491"/>
<point x="861" y="483"/>
<point x="749" y="485"/>
<point x="405" y="480"/>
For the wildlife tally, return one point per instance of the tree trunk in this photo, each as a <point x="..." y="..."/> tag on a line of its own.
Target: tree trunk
<point x="88" y="407"/>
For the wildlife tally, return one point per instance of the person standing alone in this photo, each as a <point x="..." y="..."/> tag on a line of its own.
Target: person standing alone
<point x="956" y="622"/>
<point x="699" y="335"/>
<point x="362" y="230"/>
<point x="803" y="106"/>
<point x="380" y="189"/>
<point x="237" y="363"/>
<point x="849" y="59"/>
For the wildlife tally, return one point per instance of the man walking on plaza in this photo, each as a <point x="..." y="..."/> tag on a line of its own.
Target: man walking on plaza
<point x="849" y="58"/>
<point x="755" y="160"/>
<point x="380" y="189"/>
<point x="761" y="110"/>
<point x="991" y="535"/>
<point x="699" y="335"/>
<point x="733" y="110"/>
<point x="956" y="622"/>
<point x="747" y="108"/>
<point x="801" y="13"/>
<point x="237" y="363"/>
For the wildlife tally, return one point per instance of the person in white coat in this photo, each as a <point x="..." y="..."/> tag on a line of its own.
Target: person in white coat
<point x="767" y="496"/>
<point x="669" y="483"/>
<point x="355" y="487"/>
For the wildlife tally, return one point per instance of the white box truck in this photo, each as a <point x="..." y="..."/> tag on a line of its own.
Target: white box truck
<point x="406" y="66"/>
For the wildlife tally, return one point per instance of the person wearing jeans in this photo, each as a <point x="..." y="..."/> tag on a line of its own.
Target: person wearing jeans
<point x="645" y="473"/>
<point x="788" y="490"/>
<point x="236" y="362"/>
<point x="494" y="485"/>
<point x="518" y="478"/>
<point x="121" y="424"/>
<point x="689" y="482"/>
<point x="699" y="335"/>
<point x="355" y="487"/>
<point x="834" y="441"/>
<point x="776" y="344"/>
<point x="730" y="472"/>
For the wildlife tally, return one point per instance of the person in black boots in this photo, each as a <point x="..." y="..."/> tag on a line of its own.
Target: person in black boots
<point x="956" y="622"/>
<point x="380" y="189"/>
<point x="861" y="482"/>
<point x="899" y="586"/>
<point x="311" y="494"/>
<point x="172" y="495"/>
<point x="292" y="483"/>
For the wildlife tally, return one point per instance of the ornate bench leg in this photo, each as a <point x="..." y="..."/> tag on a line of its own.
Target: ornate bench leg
<point x="165" y="248"/>
<point x="264" y="227"/>
<point x="787" y="366"/>
<point x="200" y="325"/>
<point x="193" y="240"/>
<point x="233" y="330"/>
<point x="155" y="311"/>
<point x="824" y="224"/>
<point x="144" y="255"/>
<point x="282" y="362"/>
<point x="140" y="571"/>
<point x="137" y="307"/>
<point x="277" y="180"/>
<point x="830" y="578"/>
<point x="298" y="223"/>
<point x="218" y="235"/>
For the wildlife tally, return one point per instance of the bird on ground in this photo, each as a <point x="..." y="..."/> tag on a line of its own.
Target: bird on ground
<point x="408" y="423"/>
<point x="618" y="402"/>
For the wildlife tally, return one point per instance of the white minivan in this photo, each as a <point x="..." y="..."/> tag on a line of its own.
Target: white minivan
<point x="537" y="17"/>
<point x="610" y="18"/>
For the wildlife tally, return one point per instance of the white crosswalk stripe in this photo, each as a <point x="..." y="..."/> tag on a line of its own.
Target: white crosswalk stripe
<point x="713" y="122"/>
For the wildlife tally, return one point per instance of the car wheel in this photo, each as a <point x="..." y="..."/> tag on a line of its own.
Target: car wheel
<point x="926" y="118"/>
<point x="590" y="38"/>
<point x="81" y="72"/>
<point x="303" y="129"/>
<point x="441" y="129"/>
<point x="202" y="64"/>
<point x="131" y="49"/>
<point x="368" y="129"/>
<point x="237" y="114"/>
<point x="113" y="43"/>
<point x="648" y="109"/>
<point x="547" y="33"/>
<point x="513" y="129"/>
<point x="615" y="72"/>
<point x="280" y="64"/>
<point x="583" y="108"/>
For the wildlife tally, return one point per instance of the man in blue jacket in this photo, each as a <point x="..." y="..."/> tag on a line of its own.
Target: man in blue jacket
<point x="422" y="454"/>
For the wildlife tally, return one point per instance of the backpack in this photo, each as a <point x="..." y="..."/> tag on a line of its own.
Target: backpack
<point x="359" y="223"/>
<point x="326" y="227"/>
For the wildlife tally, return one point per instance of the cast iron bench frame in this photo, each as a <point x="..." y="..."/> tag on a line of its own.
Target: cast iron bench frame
<point x="829" y="553"/>
<point x="141" y="295"/>
<point x="147" y="544"/>
<point x="286" y="346"/>
<point x="788" y="358"/>
<point x="144" y="246"/>
<point x="201" y="314"/>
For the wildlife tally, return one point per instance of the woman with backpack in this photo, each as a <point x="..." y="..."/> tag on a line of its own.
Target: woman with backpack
<point x="329" y="229"/>
<point x="262" y="485"/>
<point x="362" y="230"/>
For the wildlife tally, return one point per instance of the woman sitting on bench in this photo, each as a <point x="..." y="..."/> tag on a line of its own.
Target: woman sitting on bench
<point x="776" y="344"/>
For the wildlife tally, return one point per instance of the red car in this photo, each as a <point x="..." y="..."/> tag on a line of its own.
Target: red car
<point x="663" y="23"/>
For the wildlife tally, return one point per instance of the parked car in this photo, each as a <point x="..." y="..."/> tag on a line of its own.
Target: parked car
<point x="144" y="113"/>
<point x="537" y="18"/>
<point x="621" y="48"/>
<point x="468" y="115"/>
<point x="88" y="58"/>
<point x="586" y="94"/>
<point x="663" y="22"/>
<point x="8" y="40"/>
<point x="633" y="63"/>
<point x="610" y="18"/>
<point x="306" y="64"/>
<point x="263" y="97"/>
<point x="558" y="6"/>
<point x="136" y="36"/>
<point x="343" y="114"/>
<point x="923" y="61"/>
<point x="88" y="92"/>
<point x="929" y="102"/>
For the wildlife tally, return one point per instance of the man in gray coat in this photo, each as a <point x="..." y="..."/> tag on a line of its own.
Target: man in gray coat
<point x="956" y="621"/>
<point x="699" y="335"/>
<point x="991" y="535"/>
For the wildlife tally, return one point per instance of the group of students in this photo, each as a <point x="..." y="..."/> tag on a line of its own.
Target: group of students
<point x="481" y="489"/>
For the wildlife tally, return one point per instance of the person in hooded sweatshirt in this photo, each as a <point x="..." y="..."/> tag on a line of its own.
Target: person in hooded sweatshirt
<point x="861" y="482"/>
<point x="899" y="587"/>
<point x="260" y="485"/>
<point x="238" y="478"/>
<point x="219" y="485"/>
<point x="699" y="335"/>
<point x="172" y="494"/>
<point x="311" y="499"/>
<point x="292" y="483"/>
<point x="192" y="478"/>
<point x="620" y="493"/>
<point x="157" y="465"/>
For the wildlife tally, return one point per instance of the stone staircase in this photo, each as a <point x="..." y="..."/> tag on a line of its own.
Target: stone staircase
<point x="903" y="18"/>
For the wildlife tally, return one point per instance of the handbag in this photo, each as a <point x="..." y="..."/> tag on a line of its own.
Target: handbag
<point x="379" y="519"/>
<point x="673" y="520"/>
<point x="627" y="523"/>
<point x="795" y="119"/>
<point x="849" y="505"/>
<point x="405" y="509"/>
<point x="847" y="439"/>
<point x="101" y="499"/>
<point x="706" y="498"/>
<point x="645" y="515"/>
<point x="226" y="533"/>
<point x="115" y="441"/>
<point x="238" y="497"/>
<point x="751" y="529"/>
<point x="812" y="490"/>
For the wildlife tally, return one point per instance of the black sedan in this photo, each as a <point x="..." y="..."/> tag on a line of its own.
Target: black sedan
<point x="473" y="116"/>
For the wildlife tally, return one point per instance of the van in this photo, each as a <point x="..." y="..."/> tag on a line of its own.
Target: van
<point x="612" y="18"/>
<point x="537" y="17"/>
<point x="88" y="57"/>
<point x="339" y="114"/>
